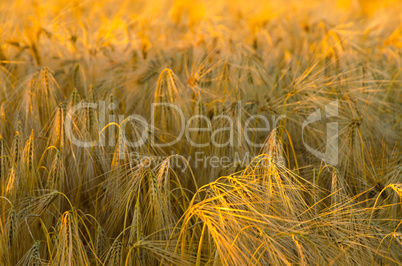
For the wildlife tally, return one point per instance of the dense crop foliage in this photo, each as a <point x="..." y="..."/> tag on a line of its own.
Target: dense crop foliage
<point x="231" y="62"/>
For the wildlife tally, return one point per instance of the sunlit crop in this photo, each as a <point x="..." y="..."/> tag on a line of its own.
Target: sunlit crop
<point x="134" y="132"/>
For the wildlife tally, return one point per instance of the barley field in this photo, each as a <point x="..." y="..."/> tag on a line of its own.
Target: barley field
<point x="220" y="132"/>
